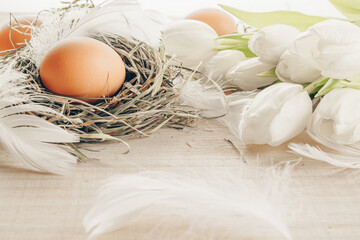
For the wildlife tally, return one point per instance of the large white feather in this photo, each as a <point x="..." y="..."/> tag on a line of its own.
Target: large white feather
<point x="122" y="17"/>
<point x="215" y="206"/>
<point x="28" y="137"/>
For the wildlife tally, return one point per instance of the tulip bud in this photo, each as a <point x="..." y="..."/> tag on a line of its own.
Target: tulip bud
<point x="337" y="117"/>
<point x="331" y="46"/>
<point x="270" y="42"/>
<point x="221" y="63"/>
<point x="274" y="116"/>
<point x="192" y="42"/>
<point x="245" y="74"/>
<point x="291" y="68"/>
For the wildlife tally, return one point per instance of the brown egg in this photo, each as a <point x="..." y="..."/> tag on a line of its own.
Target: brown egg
<point x="82" y="67"/>
<point x="20" y="31"/>
<point x="219" y="20"/>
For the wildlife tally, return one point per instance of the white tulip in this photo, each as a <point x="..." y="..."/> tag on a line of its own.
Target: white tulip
<point x="192" y="42"/>
<point x="244" y="74"/>
<point x="332" y="46"/>
<point x="274" y="116"/>
<point x="291" y="68"/>
<point x="337" y="117"/>
<point x="222" y="62"/>
<point x="335" y="124"/>
<point x="270" y="42"/>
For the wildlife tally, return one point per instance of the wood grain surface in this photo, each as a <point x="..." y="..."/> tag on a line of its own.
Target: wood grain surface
<point x="37" y="206"/>
<point x="40" y="206"/>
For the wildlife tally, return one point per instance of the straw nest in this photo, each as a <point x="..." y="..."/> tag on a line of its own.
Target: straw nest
<point x="146" y="102"/>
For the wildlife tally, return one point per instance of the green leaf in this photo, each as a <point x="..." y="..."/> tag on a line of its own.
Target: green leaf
<point x="349" y="8"/>
<point x="234" y="42"/>
<point x="237" y="36"/>
<point x="270" y="73"/>
<point x="260" y="20"/>
<point x="315" y="86"/>
<point x="331" y="85"/>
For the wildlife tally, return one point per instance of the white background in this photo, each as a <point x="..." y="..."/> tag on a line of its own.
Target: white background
<point x="179" y="8"/>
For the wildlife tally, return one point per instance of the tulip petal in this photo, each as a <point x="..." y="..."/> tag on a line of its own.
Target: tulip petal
<point x="337" y="32"/>
<point x="244" y="74"/>
<point x="238" y="104"/>
<point x="292" y="68"/>
<point x="222" y="62"/>
<point x="305" y="47"/>
<point x="257" y="122"/>
<point x="331" y="46"/>
<point x="270" y="42"/>
<point x="337" y="117"/>
<point x="191" y="41"/>
<point x="343" y="67"/>
<point x="291" y="120"/>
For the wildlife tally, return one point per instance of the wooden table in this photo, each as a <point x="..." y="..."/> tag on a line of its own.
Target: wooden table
<point x="40" y="206"/>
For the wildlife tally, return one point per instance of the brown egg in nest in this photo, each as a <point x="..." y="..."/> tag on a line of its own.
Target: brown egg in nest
<point x="83" y="68"/>
<point x="16" y="36"/>
<point x="219" y="20"/>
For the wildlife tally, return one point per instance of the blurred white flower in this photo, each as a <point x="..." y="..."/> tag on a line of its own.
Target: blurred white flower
<point x="274" y="116"/>
<point x="244" y="74"/>
<point x="291" y="68"/>
<point x="331" y="46"/>
<point x="270" y="42"/>
<point x="192" y="42"/>
<point x="222" y="62"/>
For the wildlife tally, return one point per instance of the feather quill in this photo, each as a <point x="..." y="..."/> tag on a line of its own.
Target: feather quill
<point x="215" y="205"/>
<point x="29" y="138"/>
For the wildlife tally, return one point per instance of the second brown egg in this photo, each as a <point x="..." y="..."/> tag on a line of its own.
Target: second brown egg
<point x="219" y="20"/>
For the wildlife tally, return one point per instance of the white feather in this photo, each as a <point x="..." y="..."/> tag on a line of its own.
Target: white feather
<point x="316" y="153"/>
<point x="344" y="149"/>
<point x="54" y="27"/>
<point x="347" y="156"/>
<point x="203" y="95"/>
<point x="122" y="17"/>
<point x="215" y="206"/>
<point x="28" y="137"/>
